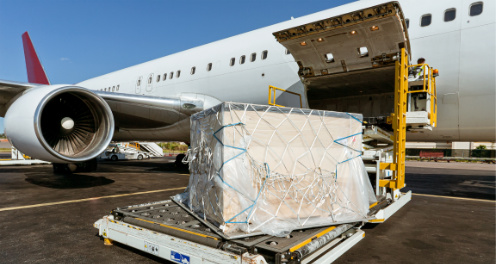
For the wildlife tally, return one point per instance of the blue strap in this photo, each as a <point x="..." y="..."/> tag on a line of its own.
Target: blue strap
<point x="355" y="118"/>
<point x="254" y="202"/>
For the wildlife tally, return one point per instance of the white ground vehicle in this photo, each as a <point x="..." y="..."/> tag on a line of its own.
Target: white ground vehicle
<point x="119" y="153"/>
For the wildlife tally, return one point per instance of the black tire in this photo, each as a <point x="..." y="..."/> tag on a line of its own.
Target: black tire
<point x="114" y="158"/>
<point x="60" y="168"/>
<point x="140" y="157"/>
<point x="179" y="161"/>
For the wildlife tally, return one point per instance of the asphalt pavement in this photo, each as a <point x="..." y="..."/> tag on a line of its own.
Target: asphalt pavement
<point x="49" y="218"/>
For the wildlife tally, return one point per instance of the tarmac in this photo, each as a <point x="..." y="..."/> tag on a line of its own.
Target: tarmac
<point x="47" y="218"/>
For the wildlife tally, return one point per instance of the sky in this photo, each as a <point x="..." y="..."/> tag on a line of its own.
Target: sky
<point x="80" y="39"/>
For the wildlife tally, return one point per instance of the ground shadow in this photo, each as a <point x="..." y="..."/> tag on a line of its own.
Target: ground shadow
<point x="68" y="181"/>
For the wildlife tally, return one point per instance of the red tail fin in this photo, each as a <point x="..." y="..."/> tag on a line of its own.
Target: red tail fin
<point x="36" y="73"/>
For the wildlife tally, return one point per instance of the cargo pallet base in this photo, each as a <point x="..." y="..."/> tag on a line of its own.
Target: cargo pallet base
<point x="168" y="231"/>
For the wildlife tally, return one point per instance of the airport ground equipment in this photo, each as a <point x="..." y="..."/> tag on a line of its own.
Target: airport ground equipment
<point x="338" y="81"/>
<point x="151" y="148"/>
<point x="168" y="231"/>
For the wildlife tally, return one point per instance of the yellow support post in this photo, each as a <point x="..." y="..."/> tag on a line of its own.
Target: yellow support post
<point x="399" y="121"/>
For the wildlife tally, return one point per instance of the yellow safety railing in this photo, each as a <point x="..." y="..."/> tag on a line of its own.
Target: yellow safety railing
<point x="272" y="95"/>
<point x="429" y="87"/>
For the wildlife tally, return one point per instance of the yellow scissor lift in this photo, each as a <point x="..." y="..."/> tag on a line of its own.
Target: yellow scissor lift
<point x="415" y="109"/>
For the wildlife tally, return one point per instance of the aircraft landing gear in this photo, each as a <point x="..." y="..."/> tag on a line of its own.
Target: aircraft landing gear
<point x="86" y="166"/>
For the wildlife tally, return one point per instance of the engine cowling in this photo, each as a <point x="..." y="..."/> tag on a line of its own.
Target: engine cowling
<point x="60" y="124"/>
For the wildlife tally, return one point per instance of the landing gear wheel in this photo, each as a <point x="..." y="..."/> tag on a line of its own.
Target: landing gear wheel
<point x="140" y="157"/>
<point x="86" y="166"/>
<point x="114" y="158"/>
<point x="60" y="168"/>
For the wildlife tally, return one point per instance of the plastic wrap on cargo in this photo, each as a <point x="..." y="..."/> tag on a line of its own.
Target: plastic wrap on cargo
<point x="257" y="168"/>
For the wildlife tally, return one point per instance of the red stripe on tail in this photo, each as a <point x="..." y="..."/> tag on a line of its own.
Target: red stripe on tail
<point x="36" y="73"/>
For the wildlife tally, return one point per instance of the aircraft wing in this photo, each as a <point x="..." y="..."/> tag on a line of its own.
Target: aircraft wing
<point x="147" y="112"/>
<point x="9" y="90"/>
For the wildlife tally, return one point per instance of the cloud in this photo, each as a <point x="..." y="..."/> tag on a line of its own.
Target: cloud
<point x="64" y="59"/>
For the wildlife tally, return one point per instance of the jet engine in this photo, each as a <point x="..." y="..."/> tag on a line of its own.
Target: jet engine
<point x="59" y="123"/>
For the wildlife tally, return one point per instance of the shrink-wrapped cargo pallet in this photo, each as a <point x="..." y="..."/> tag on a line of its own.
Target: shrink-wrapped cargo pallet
<point x="261" y="169"/>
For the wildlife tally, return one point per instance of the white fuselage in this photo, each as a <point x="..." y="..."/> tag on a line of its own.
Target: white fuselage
<point x="463" y="50"/>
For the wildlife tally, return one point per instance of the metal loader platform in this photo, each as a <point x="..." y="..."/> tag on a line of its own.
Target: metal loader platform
<point x="167" y="230"/>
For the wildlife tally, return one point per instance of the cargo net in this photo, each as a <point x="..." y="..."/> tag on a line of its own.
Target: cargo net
<point x="268" y="169"/>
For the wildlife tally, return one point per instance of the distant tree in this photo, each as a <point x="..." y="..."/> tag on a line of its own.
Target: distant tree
<point x="481" y="152"/>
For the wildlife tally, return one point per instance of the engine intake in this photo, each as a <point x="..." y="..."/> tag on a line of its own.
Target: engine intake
<point x="61" y="124"/>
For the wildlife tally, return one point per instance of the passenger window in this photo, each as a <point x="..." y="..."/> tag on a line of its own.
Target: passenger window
<point x="193" y="69"/>
<point x="288" y="52"/>
<point x="164" y="77"/>
<point x="178" y="74"/>
<point x="253" y="57"/>
<point x="158" y="78"/>
<point x="209" y="67"/>
<point x="407" y="21"/>
<point x="113" y="88"/>
<point x="171" y="75"/>
<point x="118" y="87"/>
<point x="150" y="79"/>
<point x="242" y="59"/>
<point x="450" y="15"/>
<point x="426" y="20"/>
<point x="476" y="9"/>
<point x="264" y="54"/>
<point x="137" y="84"/>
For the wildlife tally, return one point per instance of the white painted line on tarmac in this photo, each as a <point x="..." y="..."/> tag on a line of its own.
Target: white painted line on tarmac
<point x="456" y="198"/>
<point x="87" y="199"/>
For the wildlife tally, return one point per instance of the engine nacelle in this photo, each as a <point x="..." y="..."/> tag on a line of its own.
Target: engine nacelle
<point x="60" y="123"/>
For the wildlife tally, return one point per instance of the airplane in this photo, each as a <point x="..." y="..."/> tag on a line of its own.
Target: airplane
<point x="73" y="123"/>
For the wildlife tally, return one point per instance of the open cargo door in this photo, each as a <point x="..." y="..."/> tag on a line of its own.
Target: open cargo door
<point x="348" y="55"/>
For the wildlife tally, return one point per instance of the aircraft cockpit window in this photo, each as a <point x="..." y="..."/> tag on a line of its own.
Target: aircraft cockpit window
<point x="165" y="77"/>
<point x="171" y="75"/>
<point x="178" y="74"/>
<point x="253" y="57"/>
<point x="193" y="69"/>
<point x="209" y="67"/>
<point x="158" y="78"/>
<point x="407" y="21"/>
<point x="288" y="52"/>
<point x="426" y="20"/>
<point x="242" y="59"/>
<point x="450" y="15"/>
<point x="264" y="54"/>
<point x="476" y="9"/>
